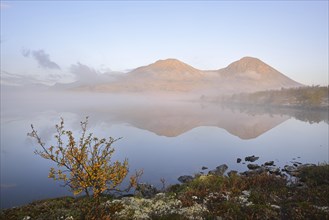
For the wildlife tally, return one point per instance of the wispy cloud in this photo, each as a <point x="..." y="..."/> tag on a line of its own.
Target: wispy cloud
<point x="44" y="60"/>
<point x="84" y="73"/>
<point x="41" y="57"/>
<point x="26" y="52"/>
<point x="12" y="79"/>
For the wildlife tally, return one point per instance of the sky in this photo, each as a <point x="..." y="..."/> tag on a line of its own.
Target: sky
<point x="51" y="40"/>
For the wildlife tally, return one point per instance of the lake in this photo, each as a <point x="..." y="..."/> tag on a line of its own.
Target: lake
<point x="165" y="138"/>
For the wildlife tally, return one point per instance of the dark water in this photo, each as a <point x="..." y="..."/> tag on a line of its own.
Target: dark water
<point x="166" y="139"/>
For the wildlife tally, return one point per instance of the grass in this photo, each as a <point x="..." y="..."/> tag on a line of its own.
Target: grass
<point x="262" y="196"/>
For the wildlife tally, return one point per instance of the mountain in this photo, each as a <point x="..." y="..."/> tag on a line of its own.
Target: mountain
<point x="169" y="69"/>
<point x="171" y="75"/>
<point x="248" y="64"/>
<point x="251" y="73"/>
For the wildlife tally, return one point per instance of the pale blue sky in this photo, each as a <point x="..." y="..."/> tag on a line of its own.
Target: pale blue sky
<point x="290" y="36"/>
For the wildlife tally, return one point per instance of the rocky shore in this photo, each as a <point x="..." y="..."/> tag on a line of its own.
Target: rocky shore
<point x="264" y="191"/>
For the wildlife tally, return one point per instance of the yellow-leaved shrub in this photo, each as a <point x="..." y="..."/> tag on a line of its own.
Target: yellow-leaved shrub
<point x="84" y="165"/>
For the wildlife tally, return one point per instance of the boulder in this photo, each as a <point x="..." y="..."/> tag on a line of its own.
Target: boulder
<point x="219" y="171"/>
<point x="204" y="168"/>
<point x="251" y="158"/>
<point x="269" y="163"/>
<point x="274" y="170"/>
<point x="185" y="179"/>
<point x="290" y="169"/>
<point x="306" y="165"/>
<point x="252" y="166"/>
<point x="238" y="160"/>
<point x="254" y="172"/>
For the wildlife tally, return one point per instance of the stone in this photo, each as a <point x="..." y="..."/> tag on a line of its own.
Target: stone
<point x="269" y="163"/>
<point x="306" y="165"/>
<point x="219" y="171"/>
<point x="185" y="179"/>
<point x="254" y="172"/>
<point x="252" y="166"/>
<point x="275" y="207"/>
<point x="291" y="170"/>
<point x="260" y="170"/>
<point x="146" y="190"/>
<point x="238" y="160"/>
<point x="204" y="168"/>
<point x="251" y="158"/>
<point x="274" y="170"/>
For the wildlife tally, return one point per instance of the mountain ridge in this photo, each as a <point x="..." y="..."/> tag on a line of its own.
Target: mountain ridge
<point x="248" y="74"/>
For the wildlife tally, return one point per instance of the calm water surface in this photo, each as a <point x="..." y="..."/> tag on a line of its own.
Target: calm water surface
<point x="165" y="139"/>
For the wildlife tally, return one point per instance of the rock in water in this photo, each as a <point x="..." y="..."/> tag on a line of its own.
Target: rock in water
<point x="185" y="179"/>
<point x="219" y="171"/>
<point x="269" y="163"/>
<point x="252" y="166"/>
<point x="251" y="158"/>
<point x="256" y="171"/>
<point x="238" y="160"/>
<point x="274" y="170"/>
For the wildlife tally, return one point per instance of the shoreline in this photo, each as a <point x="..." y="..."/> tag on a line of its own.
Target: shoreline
<point x="263" y="190"/>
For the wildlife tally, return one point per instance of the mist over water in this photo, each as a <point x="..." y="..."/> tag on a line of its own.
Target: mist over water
<point x="167" y="135"/>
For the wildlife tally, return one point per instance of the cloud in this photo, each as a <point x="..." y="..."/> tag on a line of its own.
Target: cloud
<point x="41" y="57"/>
<point x="25" y="52"/>
<point x="13" y="79"/>
<point x="84" y="73"/>
<point x="44" y="60"/>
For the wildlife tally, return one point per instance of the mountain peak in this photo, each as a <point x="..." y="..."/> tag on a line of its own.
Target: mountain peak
<point x="168" y="68"/>
<point x="248" y="64"/>
<point x="168" y="61"/>
<point x="170" y="64"/>
<point x="247" y="58"/>
<point x="250" y="69"/>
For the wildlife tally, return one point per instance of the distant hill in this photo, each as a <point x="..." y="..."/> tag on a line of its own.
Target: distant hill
<point x="253" y="74"/>
<point x="171" y="75"/>
<point x="169" y="69"/>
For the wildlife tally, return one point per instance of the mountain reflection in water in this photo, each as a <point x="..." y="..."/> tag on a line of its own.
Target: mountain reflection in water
<point x="179" y="118"/>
